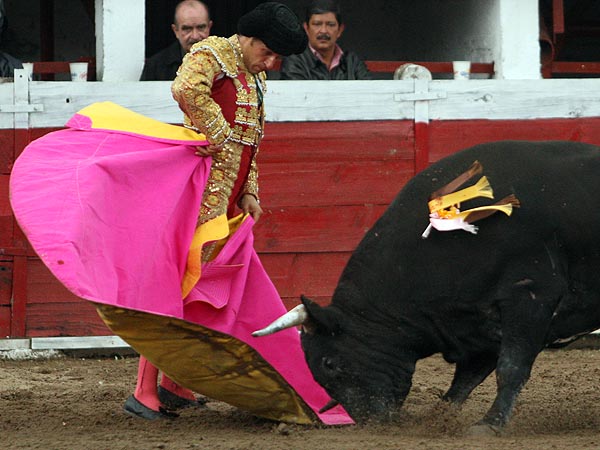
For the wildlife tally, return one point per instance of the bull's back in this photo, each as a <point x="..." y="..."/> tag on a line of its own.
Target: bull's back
<point x="556" y="182"/>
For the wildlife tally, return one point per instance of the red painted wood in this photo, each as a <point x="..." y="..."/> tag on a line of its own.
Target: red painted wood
<point x="558" y="19"/>
<point x="421" y="146"/>
<point x="323" y="185"/>
<point x="312" y="274"/>
<point x="6" y="216"/>
<point x="22" y="137"/>
<point x="323" y="141"/>
<point x="7" y="144"/>
<point x="19" y="297"/>
<point x="64" y="319"/>
<point x="573" y="67"/>
<point x="5" y="313"/>
<point x="433" y="67"/>
<point x="328" y="229"/>
<point x="6" y="282"/>
<point x="332" y="183"/>
<point x="447" y="137"/>
<point x="43" y="287"/>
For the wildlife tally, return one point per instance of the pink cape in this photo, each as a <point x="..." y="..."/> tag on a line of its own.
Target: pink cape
<point x="112" y="214"/>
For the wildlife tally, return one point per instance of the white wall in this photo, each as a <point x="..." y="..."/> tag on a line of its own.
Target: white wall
<point x="120" y="39"/>
<point x="519" y="40"/>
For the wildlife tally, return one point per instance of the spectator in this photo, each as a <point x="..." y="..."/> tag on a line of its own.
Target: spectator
<point x="8" y="63"/>
<point x="220" y="87"/>
<point x="191" y="24"/>
<point x="324" y="59"/>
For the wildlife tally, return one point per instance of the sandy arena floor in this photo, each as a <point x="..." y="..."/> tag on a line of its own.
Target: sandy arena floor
<point x="75" y="403"/>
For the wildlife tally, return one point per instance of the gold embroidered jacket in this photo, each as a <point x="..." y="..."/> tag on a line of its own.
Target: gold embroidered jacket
<point x="212" y="85"/>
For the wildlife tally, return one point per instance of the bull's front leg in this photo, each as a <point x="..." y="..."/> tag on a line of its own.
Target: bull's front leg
<point x="468" y="375"/>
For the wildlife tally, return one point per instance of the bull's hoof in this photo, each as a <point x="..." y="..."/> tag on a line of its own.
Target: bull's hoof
<point x="483" y="429"/>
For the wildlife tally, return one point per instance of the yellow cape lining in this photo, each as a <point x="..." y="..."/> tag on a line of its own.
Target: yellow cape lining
<point x="110" y="116"/>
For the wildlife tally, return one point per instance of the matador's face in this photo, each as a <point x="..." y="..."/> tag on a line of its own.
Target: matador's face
<point x="257" y="56"/>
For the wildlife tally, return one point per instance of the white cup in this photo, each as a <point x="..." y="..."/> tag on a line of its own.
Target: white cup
<point x="28" y="66"/>
<point x="79" y="71"/>
<point x="461" y="69"/>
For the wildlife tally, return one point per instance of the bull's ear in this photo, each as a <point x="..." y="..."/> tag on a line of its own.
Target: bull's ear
<point x="323" y="320"/>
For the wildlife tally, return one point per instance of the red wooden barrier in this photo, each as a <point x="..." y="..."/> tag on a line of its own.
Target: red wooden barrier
<point x="322" y="186"/>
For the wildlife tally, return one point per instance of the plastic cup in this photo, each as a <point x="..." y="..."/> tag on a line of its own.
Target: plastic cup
<point x="79" y="71"/>
<point x="461" y="69"/>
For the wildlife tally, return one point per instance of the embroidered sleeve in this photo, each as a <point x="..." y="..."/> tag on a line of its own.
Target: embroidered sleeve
<point x="251" y="186"/>
<point x="192" y="91"/>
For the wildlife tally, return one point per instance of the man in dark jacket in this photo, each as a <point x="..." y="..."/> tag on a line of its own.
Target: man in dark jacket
<point x="8" y="63"/>
<point x="191" y="24"/>
<point x="324" y="59"/>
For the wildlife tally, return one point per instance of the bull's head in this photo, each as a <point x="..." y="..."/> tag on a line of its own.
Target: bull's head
<point x="355" y="364"/>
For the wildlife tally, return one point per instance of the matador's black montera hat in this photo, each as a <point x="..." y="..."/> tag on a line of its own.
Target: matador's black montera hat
<point x="277" y="26"/>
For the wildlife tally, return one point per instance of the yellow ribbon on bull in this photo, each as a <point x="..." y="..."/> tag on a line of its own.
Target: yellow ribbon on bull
<point x="481" y="189"/>
<point x="445" y="213"/>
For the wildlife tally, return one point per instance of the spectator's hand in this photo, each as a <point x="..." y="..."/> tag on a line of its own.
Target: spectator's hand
<point x="208" y="150"/>
<point x="249" y="205"/>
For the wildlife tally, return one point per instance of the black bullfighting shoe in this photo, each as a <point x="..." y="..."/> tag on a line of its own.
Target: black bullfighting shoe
<point x="135" y="408"/>
<point x="175" y="402"/>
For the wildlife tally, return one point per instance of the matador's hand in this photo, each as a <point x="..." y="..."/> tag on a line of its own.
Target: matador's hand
<point x="249" y="204"/>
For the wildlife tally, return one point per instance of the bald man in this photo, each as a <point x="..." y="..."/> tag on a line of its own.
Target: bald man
<point x="191" y="23"/>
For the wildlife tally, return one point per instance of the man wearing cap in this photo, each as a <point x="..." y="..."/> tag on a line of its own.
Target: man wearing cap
<point x="220" y="87"/>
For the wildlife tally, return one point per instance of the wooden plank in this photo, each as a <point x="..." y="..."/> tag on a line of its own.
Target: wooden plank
<point x="302" y="101"/>
<point x="6" y="215"/>
<point x="572" y="67"/>
<point x="14" y="344"/>
<point x="332" y="184"/>
<point x="69" y="343"/>
<point x="61" y="100"/>
<point x="7" y="144"/>
<point x="320" y="229"/>
<point x="558" y="19"/>
<point x="7" y="222"/>
<point x="311" y="274"/>
<point x="6" y="280"/>
<point x="447" y="137"/>
<point x="64" y="319"/>
<point x="7" y="98"/>
<point x="43" y="287"/>
<point x="19" y="297"/>
<point x="432" y="66"/>
<point x="5" y="319"/>
<point x="339" y="141"/>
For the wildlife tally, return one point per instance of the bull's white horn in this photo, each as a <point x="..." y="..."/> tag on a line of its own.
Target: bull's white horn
<point x="295" y="316"/>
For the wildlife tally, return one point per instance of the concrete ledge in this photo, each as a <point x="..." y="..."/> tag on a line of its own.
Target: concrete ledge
<point x="64" y="343"/>
<point x="15" y="344"/>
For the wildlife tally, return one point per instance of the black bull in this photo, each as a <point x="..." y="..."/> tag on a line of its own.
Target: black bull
<point x="487" y="301"/>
